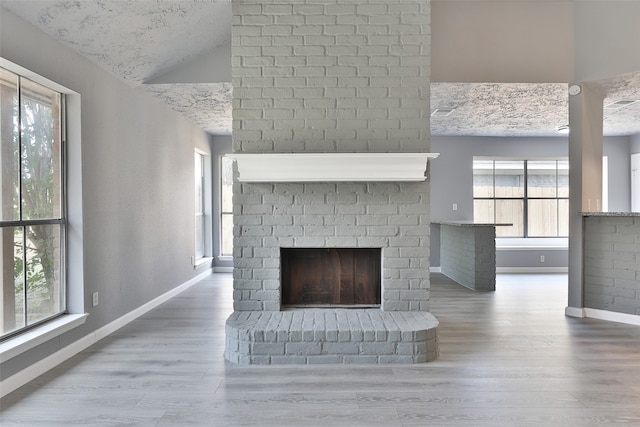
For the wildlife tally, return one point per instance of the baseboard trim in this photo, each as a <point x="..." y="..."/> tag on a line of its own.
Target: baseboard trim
<point x="531" y="270"/>
<point x="574" y="312"/>
<point x="32" y="372"/>
<point x="519" y="270"/>
<point x="223" y="269"/>
<point x="612" y="316"/>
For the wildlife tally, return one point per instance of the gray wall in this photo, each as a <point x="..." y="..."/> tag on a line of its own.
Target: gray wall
<point x="635" y="144"/>
<point x="618" y="150"/>
<point x="138" y="196"/>
<point x="452" y="182"/>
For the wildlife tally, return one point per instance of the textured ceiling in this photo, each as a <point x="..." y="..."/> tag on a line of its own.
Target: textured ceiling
<point x="208" y="105"/>
<point x="141" y="40"/>
<point x="623" y="121"/>
<point x="527" y="109"/>
<point x="489" y="109"/>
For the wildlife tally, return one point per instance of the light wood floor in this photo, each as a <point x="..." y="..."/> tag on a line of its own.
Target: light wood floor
<point x="508" y="358"/>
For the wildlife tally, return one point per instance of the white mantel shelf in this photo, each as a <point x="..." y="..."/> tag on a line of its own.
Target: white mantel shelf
<point x="328" y="167"/>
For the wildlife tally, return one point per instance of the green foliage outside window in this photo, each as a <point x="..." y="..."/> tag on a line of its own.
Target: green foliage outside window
<point x="32" y="206"/>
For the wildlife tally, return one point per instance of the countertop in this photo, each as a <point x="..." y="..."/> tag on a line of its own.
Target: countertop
<point x="612" y="214"/>
<point x="463" y="223"/>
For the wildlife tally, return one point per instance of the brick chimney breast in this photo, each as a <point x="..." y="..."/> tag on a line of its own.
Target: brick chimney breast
<point x="331" y="76"/>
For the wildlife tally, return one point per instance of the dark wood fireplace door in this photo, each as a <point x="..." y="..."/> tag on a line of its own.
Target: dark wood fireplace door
<point x="329" y="277"/>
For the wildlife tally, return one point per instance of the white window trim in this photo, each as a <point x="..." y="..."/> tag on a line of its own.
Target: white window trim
<point x="208" y="240"/>
<point x="202" y="261"/>
<point x="532" y="243"/>
<point x="30" y="339"/>
<point x="75" y="315"/>
<point x="221" y="213"/>
<point x="516" y="242"/>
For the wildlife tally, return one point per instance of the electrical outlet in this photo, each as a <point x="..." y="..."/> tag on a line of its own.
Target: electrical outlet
<point x="96" y="298"/>
<point x="541" y="258"/>
<point x="454" y="206"/>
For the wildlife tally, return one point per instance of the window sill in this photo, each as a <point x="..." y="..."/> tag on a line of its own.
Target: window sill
<point x="25" y="342"/>
<point x="225" y="258"/>
<point x="201" y="262"/>
<point x="532" y="243"/>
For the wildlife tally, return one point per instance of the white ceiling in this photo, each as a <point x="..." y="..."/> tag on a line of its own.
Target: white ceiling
<point x="143" y="41"/>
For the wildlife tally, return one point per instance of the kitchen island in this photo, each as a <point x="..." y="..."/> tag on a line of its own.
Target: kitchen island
<point x="468" y="253"/>
<point x="612" y="266"/>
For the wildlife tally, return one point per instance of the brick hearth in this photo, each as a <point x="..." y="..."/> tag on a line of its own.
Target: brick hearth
<point x="312" y="336"/>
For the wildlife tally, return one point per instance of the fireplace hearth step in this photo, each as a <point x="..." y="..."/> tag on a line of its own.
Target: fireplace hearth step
<point x="314" y="336"/>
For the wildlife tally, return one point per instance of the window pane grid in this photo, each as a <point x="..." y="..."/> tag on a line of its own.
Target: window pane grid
<point x="32" y="223"/>
<point x="531" y="195"/>
<point x="9" y="126"/>
<point x="226" y="206"/>
<point x="200" y="215"/>
<point x="41" y="183"/>
<point x="509" y="179"/>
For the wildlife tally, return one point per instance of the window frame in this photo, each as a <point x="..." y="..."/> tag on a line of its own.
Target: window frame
<point x="525" y="198"/>
<point x="199" y="260"/>
<point x="76" y="314"/>
<point x="200" y="216"/>
<point x="223" y="212"/>
<point x="58" y="221"/>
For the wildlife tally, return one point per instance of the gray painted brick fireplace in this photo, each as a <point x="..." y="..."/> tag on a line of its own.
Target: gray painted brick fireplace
<point x="331" y="77"/>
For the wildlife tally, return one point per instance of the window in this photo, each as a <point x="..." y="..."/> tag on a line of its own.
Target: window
<point x="202" y="184"/>
<point x="32" y="218"/>
<point x="226" y="206"/>
<point x="533" y="195"/>
<point x="200" y="205"/>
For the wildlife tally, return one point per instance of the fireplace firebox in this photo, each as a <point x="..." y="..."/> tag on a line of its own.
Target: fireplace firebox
<point x="331" y="277"/>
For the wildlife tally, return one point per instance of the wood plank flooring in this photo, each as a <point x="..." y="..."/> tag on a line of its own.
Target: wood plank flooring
<point x="507" y="358"/>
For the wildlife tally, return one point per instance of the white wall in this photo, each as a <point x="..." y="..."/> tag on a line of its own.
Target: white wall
<point x="137" y="189"/>
<point x="606" y="38"/>
<point x="502" y="41"/>
<point x="531" y="41"/>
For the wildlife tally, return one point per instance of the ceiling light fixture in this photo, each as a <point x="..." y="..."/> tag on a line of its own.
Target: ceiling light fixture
<point x="442" y="112"/>
<point x="563" y="129"/>
<point x="620" y="104"/>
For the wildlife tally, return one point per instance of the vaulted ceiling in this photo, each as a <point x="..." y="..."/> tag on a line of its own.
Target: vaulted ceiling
<point x="178" y="51"/>
<point x="146" y="42"/>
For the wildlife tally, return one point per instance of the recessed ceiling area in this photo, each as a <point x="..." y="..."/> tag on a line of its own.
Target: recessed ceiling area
<point x="528" y="109"/>
<point x="142" y="42"/>
<point x="499" y="109"/>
